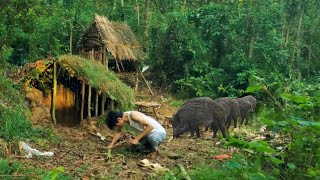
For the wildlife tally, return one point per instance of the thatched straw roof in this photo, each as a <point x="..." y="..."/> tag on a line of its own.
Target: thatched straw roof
<point x="93" y="73"/>
<point x="117" y="38"/>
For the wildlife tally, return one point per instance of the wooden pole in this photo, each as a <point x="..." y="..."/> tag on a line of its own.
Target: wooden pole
<point x="118" y="66"/>
<point x="103" y="103"/>
<point x="89" y="101"/>
<point x="112" y="105"/>
<point x="54" y="92"/>
<point x="146" y="83"/>
<point x="96" y="104"/>
<point x="82" y="100"/>
<point x="137" y="81"/>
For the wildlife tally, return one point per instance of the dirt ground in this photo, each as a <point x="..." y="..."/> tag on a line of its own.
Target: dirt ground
<point x="84" y="155"/>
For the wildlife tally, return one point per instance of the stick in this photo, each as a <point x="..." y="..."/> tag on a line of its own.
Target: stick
<point x="146" y="83"/>
<point x="125" y="144"/>
<point x="184" y="172"/>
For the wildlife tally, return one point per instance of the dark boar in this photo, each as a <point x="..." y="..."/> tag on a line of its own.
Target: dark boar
<point x="231" y="110"/>
<point x="198" y="112"/>
<point x="247" y="105"/>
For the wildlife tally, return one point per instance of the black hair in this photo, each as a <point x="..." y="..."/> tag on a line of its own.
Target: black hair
<point x="112" y="118"/>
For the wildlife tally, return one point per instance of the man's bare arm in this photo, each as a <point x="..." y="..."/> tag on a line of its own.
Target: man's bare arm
<point x="137" y="116"/>
<point x="115" y="138"/>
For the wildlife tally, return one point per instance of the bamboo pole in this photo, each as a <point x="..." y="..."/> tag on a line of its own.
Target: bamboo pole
<point x="103" y="51"/>
<point x="112" y="105"/>
<point x="54" y="92"/>
<point x="103" y="103"/>
<point x="146" y="83"/>
<point x="137" y="81"/>
<point x="89" y="101"/>
<point x="118" y="66"/>
<point x="96" y="104"/>
<point x="82" y="100"/>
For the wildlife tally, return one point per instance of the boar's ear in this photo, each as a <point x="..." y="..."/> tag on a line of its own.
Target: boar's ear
<point x="175" y="119"/>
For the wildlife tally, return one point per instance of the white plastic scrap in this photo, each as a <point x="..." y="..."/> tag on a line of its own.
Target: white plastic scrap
<point x="31" y="151"/>
<point x="101" y="137"/>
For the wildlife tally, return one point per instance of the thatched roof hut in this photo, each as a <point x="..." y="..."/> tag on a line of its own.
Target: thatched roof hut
<point x="105" y="40"/>
<point x="114" y="45"/>
<point x="84" y="87"/>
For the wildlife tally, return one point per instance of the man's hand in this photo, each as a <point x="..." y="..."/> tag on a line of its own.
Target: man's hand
<point x="134" y="141"/>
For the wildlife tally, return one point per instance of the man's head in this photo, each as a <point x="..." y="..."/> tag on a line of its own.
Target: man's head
<point x="114" y="118"/>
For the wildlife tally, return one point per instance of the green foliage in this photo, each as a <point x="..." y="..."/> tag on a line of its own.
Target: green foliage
<point x="5" y="53"/>
<point x="10" y="169"/>
<point x="297" y="103"/>
<point x="13" y="114"/>
<point x="57" y="173"/>
<point x="14" y="123"/>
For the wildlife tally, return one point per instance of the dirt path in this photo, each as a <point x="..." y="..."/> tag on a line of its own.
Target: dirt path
<point x="84" y="155"/>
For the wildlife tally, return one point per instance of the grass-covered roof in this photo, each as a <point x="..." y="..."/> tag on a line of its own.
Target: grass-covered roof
<point x="98" y="77"/>
<point x="93" y="73"/>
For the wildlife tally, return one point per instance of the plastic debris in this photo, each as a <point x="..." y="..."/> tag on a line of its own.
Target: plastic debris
<point x="223" y="157"/>
<point x="101" y="137"/>
<point x="31" y="151"/>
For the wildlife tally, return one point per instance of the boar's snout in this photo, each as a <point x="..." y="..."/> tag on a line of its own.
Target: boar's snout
<point x="175" y="133"/>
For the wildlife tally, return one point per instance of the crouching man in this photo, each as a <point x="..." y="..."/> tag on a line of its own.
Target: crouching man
<point x="151" y="131"/>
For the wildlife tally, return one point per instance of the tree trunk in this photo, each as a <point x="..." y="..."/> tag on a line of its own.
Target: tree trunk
<point x="70" y="40"/>
<point x="138" y="15"/>
<point x="147" y="7"/>
<point x="122" y="10"/>
<point x="296" y="49"/>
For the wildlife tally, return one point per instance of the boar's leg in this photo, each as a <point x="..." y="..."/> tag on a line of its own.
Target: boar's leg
<point x="215" y="131"/>
<point x="228" y="122"/>
<point x="198" y="132"/>
<point x="193" y="130"/>
<point x="191" y="133"/>
<point x="222" y="129"/>
<point x="235" y="122"/>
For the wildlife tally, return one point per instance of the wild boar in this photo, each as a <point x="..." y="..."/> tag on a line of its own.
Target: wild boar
<point x="198" y="112"/>
<point x="247" y="105"/>
<point x="231" y="110"/>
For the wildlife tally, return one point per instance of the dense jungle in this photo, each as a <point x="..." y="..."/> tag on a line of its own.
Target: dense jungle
<point x="268" y="49"/>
